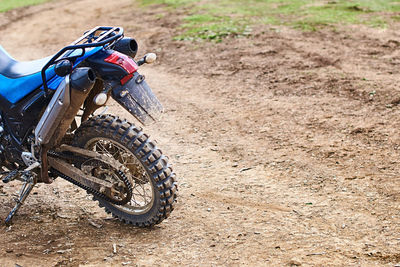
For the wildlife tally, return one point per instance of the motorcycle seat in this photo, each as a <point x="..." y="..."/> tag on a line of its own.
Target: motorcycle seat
<point x="12" y="68"/>
<point x="18" y="79"/>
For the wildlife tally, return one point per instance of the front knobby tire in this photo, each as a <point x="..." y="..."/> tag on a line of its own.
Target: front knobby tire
<point x="126" y="143"/>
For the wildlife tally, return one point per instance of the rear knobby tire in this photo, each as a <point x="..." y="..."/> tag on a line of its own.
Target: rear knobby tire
<point x="159" y="172"/>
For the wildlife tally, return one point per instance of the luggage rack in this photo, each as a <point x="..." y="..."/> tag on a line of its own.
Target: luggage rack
<point x="98" y="36"/>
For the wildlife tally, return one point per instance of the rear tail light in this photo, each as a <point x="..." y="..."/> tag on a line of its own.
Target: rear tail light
<point x="127" y="63"/>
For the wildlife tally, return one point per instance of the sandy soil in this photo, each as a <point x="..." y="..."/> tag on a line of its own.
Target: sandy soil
<point x="286" y="146"/>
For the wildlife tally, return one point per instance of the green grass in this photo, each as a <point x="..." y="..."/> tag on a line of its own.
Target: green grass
<point x="6" y="5"/>
<point x="216" y="19"/>
<point x="211" y="27"/>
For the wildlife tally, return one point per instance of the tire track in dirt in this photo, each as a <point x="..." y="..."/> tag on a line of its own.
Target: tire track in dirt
<point x="333" y="185"/>
<point x="272" y="113"/>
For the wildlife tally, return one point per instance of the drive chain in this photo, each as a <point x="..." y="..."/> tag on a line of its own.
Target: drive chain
<point x="95" y="193"/>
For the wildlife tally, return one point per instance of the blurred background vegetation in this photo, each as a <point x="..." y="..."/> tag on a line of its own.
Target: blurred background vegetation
<point x="6" y="5"/>
<point x="216" y="19"/>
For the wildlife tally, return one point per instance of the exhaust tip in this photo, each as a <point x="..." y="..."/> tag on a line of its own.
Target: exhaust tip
<point x="127" y="46"/>
<point x="83" y="79"/>
<point x="91" y="75"/>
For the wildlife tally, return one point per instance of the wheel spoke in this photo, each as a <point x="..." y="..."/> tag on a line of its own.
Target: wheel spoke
<point x="101" y="147"/>
<point x="142" y="191"/>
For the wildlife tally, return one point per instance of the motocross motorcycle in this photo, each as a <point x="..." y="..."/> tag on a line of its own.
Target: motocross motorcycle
<point x="48" y="127"/>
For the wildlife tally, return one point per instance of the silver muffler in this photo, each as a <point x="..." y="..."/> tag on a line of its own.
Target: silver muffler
<point x="63" y="107"/>
<point x="53" y="113"/>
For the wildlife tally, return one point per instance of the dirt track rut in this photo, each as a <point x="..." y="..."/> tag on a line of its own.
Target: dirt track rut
<point x="284" y="154"/>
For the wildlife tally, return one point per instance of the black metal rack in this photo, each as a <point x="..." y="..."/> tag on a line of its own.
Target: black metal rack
<point x="98" y="36"/>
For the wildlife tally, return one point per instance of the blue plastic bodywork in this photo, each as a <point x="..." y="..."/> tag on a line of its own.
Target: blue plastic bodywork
<point x="15" y="89"/>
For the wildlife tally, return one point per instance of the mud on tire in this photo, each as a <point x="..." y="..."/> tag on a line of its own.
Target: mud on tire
<point x="159" y="173"/>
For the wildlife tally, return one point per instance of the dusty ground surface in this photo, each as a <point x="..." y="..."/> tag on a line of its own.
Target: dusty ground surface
<point x="286" y="146"/>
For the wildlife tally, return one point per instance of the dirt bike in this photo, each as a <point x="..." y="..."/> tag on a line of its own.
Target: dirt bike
<point x="48" y="127"/>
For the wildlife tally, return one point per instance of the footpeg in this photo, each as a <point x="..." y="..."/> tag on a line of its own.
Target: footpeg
<point x="14" y="174"/>
<point x="11" y="176"/>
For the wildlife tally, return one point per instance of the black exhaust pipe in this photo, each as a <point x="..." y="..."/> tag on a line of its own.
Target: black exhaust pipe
<point x="82" y="79"/>
<point x="127" y="46"/>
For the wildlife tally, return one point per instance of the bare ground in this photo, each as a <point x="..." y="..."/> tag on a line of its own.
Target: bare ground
<point x="285" y="143"/>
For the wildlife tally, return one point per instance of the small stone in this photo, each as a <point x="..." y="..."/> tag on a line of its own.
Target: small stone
<point x="294" y="262"/>
<point x="92" y="223"/>
<point x="62" y="251"/>
<point x="63" y="216"/>
<point x="209" y="209"/>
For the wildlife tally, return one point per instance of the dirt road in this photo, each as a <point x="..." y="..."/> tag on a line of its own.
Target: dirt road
<point x="285" y="144"/>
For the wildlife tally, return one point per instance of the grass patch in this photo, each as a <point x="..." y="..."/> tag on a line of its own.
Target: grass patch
<point x="6" y="5"/>
<point x="211" y="27"/>
<point x="216" y="19"/>
<point x="169" y="3"/>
